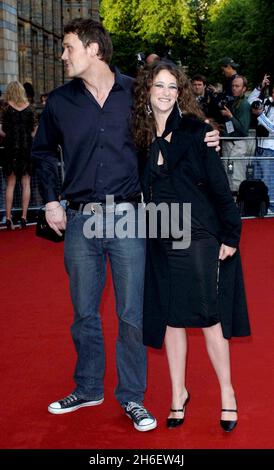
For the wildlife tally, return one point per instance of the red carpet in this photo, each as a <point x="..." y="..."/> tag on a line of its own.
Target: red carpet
<point x="37" y="360"/>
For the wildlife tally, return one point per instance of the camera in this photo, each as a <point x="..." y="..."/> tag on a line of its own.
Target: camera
<point x="141" y="59"/>
<point x="225" y="101"/>
<point x="257" y="104"/>
<point x="211" y="92"/>
<point x="269" y="101"/>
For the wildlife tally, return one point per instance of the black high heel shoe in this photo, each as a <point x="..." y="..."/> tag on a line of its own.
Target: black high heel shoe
<point x="22" y="223"/>
<point x="9" y="224"/>
<point x="228" y="425"/>
<point x="174" y="422"/>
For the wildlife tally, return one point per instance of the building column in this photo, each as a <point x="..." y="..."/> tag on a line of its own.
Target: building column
<point x="8" y="43"/>
<point x="95" y="9"/>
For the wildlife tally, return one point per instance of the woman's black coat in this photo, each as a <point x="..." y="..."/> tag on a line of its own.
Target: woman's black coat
<point x="198" y="177"/>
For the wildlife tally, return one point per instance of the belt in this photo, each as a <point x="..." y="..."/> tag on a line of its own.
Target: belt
<point x="95" y="206"/>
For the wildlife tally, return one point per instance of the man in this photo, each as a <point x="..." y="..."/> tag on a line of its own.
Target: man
<point x="90" y="118"/>
<point x="263" y="109"/>
<point x="204" y="95"/>
<point x="229" y="70"/>
<point x="151" y="58"/>
<point x="237" y="121"/>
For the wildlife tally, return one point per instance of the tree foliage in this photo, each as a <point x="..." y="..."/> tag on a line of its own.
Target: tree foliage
<point x="242" y="29"/>
<point x="157" y="25"/>
<point x="120" y="15"/>
<point x="167" y="20"/>
<point x="198" y="32"/>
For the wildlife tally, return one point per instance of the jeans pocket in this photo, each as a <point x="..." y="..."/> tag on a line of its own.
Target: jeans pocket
<point x="71" y="215"/>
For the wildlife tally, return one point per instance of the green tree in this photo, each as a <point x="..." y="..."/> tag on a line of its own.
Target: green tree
<point x="155" y="25"/>
<point x="165" y="20"/>
<point x="120" y="15"/>
<point x="226" y="32"/>
<point x="259" y="56"/>
<point x="242" y="29"/>
<point x="199" y="32"/>
<point x="121" y="20"/>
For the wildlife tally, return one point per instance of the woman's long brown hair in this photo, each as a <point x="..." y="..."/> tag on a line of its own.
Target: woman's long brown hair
<point x="144" y="125"/>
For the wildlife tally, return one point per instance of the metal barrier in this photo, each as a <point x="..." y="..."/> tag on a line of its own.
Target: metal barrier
<point x="244" y="165"/>
<point x="244" y="158"/>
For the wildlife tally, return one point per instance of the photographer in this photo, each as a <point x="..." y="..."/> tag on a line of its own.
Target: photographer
<point x="205" y="96"/>
<point x="229" y="71"/>
<point x="237" y="122"/>
<point x="263" y="109"/>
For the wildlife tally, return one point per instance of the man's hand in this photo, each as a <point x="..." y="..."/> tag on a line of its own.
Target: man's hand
<point x="226" y="251"/>
<point x="56" y="216"/>
<point x="266" y="81"/>
<point x="212" y="88"/>
<point x="227" y="113"/>
<point x="212" y="138"/>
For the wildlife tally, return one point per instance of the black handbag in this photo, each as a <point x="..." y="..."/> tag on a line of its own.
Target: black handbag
<point x="253" y="198"/>
<point x="43" y="230"/>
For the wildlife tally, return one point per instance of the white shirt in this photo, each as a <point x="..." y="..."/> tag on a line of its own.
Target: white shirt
<point x="266" y="119"/>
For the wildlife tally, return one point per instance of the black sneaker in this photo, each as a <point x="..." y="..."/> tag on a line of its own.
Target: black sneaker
<point x="71" y="403"/>
<point x="142" y="419"/>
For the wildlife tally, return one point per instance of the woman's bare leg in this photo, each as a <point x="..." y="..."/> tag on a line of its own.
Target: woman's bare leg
<point x="11" y="182"/>
<point x="218" y="351"/>
<point x="25" y="182"/>
<point x="176" y="348"/>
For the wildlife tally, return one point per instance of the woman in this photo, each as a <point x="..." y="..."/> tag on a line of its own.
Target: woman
<point x="202" y="285"/>
<point x="19" y="123"/>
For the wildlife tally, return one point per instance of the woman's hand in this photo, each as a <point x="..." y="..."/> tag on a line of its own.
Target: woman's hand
<point x="226" y="251"/>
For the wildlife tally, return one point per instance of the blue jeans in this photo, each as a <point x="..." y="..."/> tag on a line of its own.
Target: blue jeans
<point x="85" y="261"/>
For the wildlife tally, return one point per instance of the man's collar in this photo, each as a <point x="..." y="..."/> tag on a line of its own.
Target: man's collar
<point x="118" y="79"/>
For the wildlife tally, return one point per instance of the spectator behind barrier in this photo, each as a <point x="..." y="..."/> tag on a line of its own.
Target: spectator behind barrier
<point x="263" y="109"/>
<point x="18" y="124"/>
<point x="237" y="122"/>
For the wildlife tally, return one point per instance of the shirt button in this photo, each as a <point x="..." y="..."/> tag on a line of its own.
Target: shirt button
<point x="102" y="129"/>
<point x="101" y="164"/>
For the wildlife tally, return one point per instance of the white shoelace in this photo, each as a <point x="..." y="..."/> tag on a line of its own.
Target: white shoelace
<point x="138" y="411"/>
<point x="69" y="399"/>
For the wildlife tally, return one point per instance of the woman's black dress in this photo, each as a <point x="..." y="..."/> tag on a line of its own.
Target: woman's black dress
<point x="18" y="126"/>
<point x="193" y="272"/>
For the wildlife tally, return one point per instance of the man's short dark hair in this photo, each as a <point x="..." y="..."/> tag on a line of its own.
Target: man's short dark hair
<point x="199" y="78"/>
<point x="89" y="31"/>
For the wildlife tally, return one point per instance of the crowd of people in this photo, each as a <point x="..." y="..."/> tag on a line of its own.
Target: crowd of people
<point x="233" y="113"/>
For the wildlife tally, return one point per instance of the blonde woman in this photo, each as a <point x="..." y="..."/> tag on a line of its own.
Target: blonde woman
<point x="18" y="126"/>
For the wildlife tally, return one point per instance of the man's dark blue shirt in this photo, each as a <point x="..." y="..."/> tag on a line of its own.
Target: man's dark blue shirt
<point x="99" y="155"/>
